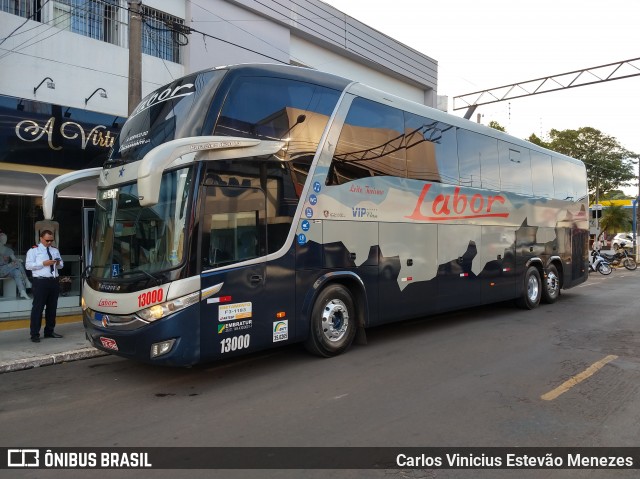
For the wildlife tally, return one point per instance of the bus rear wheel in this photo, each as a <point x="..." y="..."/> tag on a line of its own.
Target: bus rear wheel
<point x="333" y="322"/>
<point x="551" y="285"/>
<point x="532" y="292"/>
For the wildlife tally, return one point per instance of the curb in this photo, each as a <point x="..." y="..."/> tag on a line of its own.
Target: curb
<point x="12" y="324"/>
<point x="49" y="359"/>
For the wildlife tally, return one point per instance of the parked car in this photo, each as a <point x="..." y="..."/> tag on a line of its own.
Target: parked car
<point x="622" y="240"/>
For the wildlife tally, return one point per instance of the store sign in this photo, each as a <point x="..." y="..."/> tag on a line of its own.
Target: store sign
<point x="31" y="131"/>
<point x="45" y="135"/>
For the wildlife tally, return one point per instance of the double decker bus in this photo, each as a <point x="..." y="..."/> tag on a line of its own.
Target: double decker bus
<point x="250" y="206"/>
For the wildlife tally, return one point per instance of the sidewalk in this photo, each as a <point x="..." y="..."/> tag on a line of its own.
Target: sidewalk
<point x="17" y="352"/>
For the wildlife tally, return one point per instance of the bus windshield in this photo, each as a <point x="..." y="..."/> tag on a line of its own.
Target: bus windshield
<point x="175" y="111"/>
<point x="129" y="239"/>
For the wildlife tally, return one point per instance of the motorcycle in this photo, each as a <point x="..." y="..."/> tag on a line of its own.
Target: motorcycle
<point x="621" y="258"/>
<point x="599" y="264"/>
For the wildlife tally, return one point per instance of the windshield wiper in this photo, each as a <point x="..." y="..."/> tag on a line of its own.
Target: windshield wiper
<point x="139" y="271"/>
<point x="89" y="268"/>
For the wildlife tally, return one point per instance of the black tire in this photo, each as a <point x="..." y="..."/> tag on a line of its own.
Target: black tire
<point x="604" y="268"/>
<point x="333" y="322"/>
<point x="551" y="285"/>
<point x="630" y="263"/>
<point x="532" y="291"/>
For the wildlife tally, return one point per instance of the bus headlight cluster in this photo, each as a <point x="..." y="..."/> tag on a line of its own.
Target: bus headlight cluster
<point x="159" y="311"/>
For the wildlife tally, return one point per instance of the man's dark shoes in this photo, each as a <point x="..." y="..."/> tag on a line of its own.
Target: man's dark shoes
<point x="53" y="335"/>
<point x="35" y="339"/>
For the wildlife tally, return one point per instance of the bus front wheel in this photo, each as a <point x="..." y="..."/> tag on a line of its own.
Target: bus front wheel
<point x="333" y="322"/>
<point x="532" y="292"/>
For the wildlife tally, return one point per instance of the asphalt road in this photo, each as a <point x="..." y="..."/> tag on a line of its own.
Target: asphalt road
<point x="490" y="376"/>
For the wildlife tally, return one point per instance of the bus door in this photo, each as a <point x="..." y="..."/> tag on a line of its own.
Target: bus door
<point x="233" y="235"/>
<point x="459" y="264"/>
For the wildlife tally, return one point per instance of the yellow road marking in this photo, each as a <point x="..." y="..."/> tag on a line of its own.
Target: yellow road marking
<point x="587" y="373"/>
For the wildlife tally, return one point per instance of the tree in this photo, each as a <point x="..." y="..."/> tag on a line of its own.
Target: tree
<point x="496" y="126"/>
<point x="614" y="195"/>
<point x="609" y="165"/>
<point x="614" y="219"/>
<point x="537" y="141"/>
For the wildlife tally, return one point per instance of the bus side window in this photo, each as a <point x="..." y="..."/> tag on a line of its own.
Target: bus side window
<point x="562" y="182"/>
<point x="432" y="150"/>
<point x="479" y="165"/>
<point x="371" y="143"/>
<point x="278" y="108"/>
<point x="515" y="168"/>
<point x="542" y="174"/>
<point x="580" y="189"/>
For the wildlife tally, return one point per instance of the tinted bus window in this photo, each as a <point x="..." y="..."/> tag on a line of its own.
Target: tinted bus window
<point x="478" y="155"/>
<point x="515" y="168"/>
<point x="243" y="198"/>
<point x="370" y="144"/>
<point x="578" y="175"/>
<point x="432" y="149"/>
<point x="541" y="174"/>
<point x="469" y="156"/>
<point x="277" y="108"/>
<point x="489" y="163"/>
<point x="169" y="113"/>
<point x="562" y="181"/>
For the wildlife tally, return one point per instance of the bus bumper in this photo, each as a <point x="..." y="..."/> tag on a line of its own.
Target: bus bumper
<point x="171" y="341"/>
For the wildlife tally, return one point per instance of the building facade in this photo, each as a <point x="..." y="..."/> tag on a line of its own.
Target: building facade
<point x="64" y="67"/>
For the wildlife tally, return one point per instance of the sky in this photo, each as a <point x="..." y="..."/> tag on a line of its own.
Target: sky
<point x="484" y="44"/>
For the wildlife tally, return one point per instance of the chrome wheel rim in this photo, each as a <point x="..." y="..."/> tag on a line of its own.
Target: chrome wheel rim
<point x="533" y="289"/>
<point x="553" y="284"/>
<point x="335" y="320"/>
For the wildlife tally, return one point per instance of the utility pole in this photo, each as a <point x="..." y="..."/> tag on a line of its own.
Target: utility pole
<point x="636" y="250"/>
<point x="135" y="54"/>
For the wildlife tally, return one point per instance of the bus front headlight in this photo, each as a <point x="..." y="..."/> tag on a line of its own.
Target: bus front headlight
<point x="158" y="311"/>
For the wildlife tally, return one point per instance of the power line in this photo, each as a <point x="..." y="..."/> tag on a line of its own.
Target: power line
<point x="184" y="30"/>
<point x="22" y="46"/>
<point x="235" y="44"/>
<point x="158" y="49"/>
<point x="310" y="18"/>
<point x="73" y="65"/>
<point x="23" y="23"/>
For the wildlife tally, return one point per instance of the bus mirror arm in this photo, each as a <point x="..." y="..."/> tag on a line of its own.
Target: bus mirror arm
<point x="87" y="271"/>
<point x="59" y="183"/>
<point x="158" y="159"/>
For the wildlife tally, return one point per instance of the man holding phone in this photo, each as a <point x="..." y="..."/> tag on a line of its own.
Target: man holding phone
<point x="44" y="261"/>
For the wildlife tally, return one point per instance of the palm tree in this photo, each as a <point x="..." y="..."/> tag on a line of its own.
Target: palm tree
<point x="615" y="219"/>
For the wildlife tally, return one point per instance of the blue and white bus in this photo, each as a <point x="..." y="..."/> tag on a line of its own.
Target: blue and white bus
<point x="250" y="206"/>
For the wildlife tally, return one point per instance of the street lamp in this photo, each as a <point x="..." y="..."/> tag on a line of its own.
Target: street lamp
<point x="50" y="84"/>
<point x="103" y="94"/>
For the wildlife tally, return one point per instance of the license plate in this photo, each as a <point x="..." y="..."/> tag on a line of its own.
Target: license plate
<point x="109" y="343"/>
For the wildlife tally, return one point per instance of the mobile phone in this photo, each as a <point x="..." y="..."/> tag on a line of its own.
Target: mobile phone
<point x="58" y="260"/>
